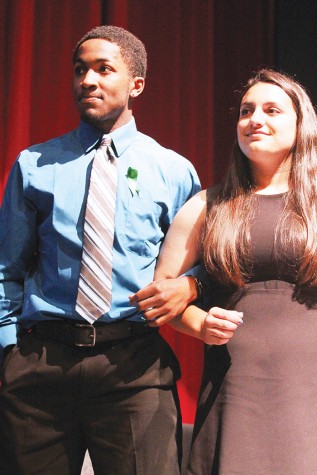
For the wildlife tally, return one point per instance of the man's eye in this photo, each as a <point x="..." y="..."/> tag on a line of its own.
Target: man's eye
<point x="104" y="69"/>
<point x="78" y="70"/>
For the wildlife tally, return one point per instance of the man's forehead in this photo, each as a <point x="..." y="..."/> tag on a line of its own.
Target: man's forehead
<point x="99" y="49"/>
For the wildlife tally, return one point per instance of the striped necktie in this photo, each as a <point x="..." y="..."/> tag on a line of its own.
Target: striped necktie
<point x="94" y="288"/>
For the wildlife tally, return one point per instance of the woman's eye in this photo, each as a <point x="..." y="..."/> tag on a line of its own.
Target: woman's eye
<point x="273" y="110"/>
<point x="244" y="111"/>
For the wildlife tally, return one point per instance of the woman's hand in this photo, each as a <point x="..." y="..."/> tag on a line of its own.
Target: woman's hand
<point x="219" y="325"/>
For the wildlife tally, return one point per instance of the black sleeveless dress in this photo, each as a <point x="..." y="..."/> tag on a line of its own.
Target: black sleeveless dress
<point x="257" y="409"/>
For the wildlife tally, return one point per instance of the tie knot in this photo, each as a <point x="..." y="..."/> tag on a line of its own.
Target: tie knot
<point x="105" y="141"/>
<point x="105" y="146"/>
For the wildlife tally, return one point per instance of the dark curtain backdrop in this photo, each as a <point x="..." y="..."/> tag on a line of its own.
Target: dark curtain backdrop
<point x="200" y="51"/>
<point x="296" y="41"/>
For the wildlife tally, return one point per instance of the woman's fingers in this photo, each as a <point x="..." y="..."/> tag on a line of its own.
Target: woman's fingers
<point x="219" y="325"/>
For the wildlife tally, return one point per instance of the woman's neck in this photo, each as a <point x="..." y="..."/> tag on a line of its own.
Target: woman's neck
<point x="271" y="182"/>
<point x="271" y="186"/>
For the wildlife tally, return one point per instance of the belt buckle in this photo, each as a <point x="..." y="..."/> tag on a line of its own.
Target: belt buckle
<point x="92" y="335"/>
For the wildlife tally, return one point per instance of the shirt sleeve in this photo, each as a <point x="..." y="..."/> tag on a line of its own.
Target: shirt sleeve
<point x="184" y="184"/>
<point x="17" y="252"/>
<point x="189" y="185"/>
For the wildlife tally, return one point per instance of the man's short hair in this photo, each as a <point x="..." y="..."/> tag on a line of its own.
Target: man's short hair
<point x="132" y="49"/>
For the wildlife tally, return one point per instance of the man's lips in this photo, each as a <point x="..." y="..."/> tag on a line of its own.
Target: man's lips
<point x="88" y="98"/>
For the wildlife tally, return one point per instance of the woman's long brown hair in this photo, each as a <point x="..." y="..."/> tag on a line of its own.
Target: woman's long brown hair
<point x="228" y="222"/>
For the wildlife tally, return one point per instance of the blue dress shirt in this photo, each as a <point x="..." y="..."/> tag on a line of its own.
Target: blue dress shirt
<point x="42" y="215"/>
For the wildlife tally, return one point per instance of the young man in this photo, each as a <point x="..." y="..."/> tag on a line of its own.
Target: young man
<point x="81" y="369"/>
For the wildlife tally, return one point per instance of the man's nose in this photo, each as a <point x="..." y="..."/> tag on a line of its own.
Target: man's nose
<point x="89" y="79"/>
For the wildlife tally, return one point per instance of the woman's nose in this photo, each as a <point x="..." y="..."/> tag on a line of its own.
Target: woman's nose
<point x="257" y="117"/>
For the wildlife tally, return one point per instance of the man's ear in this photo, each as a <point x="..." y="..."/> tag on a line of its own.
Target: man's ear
<point x="137" y="86"/>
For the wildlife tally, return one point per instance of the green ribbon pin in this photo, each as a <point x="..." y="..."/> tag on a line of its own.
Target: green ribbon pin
<point x="132" y="176"/>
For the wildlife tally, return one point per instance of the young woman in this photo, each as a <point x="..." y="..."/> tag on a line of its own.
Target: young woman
<point x="257" y="410"/>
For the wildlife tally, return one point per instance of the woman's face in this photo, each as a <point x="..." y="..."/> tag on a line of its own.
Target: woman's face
<point x="267" y="126"/>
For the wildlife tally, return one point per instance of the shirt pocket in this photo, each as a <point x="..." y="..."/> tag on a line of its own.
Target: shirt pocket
<point x="143" y="233"/>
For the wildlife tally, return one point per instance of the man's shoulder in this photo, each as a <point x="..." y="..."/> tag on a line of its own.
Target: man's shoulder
<point x="70" y="137"/>
<point x="141" y="137"/>
<point x="61" y="149"/>
<point x="158" y="150"/>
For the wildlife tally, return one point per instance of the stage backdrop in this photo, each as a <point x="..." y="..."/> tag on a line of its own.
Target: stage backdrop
<point x="199" y="51"/>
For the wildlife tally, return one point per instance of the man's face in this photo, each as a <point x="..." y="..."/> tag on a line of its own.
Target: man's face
<point x="103" y="85"/>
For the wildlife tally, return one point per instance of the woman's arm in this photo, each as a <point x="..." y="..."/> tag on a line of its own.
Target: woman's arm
<point x="214" y="327"/>
<point x="182" y="246"/>
<point x="168" y="296"/>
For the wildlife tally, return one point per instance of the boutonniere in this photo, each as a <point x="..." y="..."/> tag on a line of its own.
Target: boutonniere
<point x="132" y="176"/>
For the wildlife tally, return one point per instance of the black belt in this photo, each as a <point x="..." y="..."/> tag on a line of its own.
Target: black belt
<point x="86" y="335"/>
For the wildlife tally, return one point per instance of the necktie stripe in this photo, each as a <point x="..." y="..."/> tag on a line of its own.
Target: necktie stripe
<point x="87" y="306"/>
<point x="94" y="237"/>
<point x="95" y="270"/>
<point x="102" y="174"/>
<point x="101" y="205"/>
<point x="97" y="255"/>
<point x="91" y="297"/>
<point x="99" y="186"/>
<point x="94" y="243"/>
<point x="96" y="218"/>
<point x="99" y="268"/>
<point x="94" y="288"/>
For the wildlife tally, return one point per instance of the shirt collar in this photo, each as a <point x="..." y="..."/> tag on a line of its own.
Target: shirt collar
<point x="121" y="137"/>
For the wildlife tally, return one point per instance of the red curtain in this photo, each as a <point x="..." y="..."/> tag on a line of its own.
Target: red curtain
<point x="38" y="37"/>
<point x="199" y="53"/>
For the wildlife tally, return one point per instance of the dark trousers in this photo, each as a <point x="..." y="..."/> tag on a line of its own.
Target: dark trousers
<point x="117" y="400"/>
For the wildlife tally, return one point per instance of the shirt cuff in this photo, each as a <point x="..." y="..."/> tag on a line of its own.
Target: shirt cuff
<point x="8" y="335"/>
